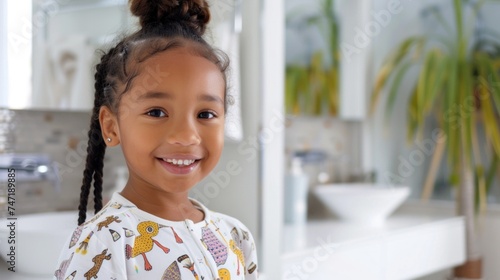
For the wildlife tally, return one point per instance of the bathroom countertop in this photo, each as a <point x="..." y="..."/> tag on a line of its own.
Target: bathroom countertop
<point x="417" y="240"/>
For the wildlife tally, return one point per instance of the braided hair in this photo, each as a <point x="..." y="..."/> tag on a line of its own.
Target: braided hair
<point x="165" y="25"/>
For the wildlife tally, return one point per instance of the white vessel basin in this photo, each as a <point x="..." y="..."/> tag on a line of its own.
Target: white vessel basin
<point x="362" y="203"/>
<point x="38" y="240"/>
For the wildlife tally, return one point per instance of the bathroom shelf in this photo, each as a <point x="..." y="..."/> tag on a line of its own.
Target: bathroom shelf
<point x="410" y="244"/>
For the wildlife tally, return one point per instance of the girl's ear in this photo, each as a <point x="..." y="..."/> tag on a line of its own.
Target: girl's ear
<point x="109" y="127"/>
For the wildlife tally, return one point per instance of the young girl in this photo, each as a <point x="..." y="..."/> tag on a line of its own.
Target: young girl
<point x="161" y="95"/>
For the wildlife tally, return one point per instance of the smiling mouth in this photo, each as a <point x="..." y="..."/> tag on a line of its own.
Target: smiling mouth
<point x="180" y="162"/>
<point x="179" y="166"/>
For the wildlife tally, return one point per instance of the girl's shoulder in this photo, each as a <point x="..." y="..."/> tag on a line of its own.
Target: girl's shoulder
<point x="226" y="219"/>
<point x="219" y="218"/>
<point x="113" y="219"/>
<point x="101" y="238"/>
<point x="237" y="228"/>
<point x="110" y="213"/>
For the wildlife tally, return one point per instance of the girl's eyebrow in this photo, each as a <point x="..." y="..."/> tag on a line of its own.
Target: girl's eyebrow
<point x="165" y="95"/>
<point x="154" y="95"/>
<point x="211" y="98"/>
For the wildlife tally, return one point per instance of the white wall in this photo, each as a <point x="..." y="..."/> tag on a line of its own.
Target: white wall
<point x="389" y="144"/>
<point x="3" y="53"/>
<point x="490" y="244"/>
<point x="390" y="150"/>
<point x="18" y="44"/>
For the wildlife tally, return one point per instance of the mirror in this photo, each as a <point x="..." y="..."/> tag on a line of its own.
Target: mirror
<point x="51" y="50"/>
<point x="322" y="78"/>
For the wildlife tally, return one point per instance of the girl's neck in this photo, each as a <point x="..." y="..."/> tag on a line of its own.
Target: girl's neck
<point x="168" y="206"/>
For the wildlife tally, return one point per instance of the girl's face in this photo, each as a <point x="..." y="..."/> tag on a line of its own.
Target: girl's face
<point x="171" y="122"/>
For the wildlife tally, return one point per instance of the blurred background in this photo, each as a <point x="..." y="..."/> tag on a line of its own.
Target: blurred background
<point x="362" y="142"/>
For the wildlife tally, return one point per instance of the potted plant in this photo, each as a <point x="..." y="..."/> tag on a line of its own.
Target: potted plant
<point x="459" y="87"/>
<point x="313" y="89"/>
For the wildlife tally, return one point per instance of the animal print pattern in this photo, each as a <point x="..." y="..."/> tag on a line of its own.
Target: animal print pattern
<point x="138" y="245"/>
<point x="97" y="260"/>
<point x="107" y="222"/>
<point x="62" y="268"/>
<point x="144" y="242"/>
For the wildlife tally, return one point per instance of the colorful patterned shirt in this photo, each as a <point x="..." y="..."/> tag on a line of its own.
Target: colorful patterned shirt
<point x="124" y="242"/>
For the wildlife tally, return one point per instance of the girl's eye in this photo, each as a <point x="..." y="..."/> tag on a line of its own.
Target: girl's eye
<point x="157" y="113"/>
<point x="206" y="115"/>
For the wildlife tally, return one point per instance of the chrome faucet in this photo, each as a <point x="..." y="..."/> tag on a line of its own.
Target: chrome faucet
<point x="30" y="167"/>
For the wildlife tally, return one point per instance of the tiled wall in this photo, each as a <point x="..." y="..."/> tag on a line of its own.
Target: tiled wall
<point x="340" y="139"/>
<point x="62" y="136"/>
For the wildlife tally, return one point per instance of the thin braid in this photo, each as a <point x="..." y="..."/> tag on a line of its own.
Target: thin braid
<point x="89" y="168"/>
<point x="95" y="151"/>
<point x="98" y="174"/>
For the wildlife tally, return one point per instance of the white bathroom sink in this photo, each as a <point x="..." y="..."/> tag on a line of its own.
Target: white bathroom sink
<point x="362" y="203"/>
<point x="39" y="239"/>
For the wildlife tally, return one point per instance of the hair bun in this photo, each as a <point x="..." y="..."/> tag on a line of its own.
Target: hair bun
<point x="193" y="13"/>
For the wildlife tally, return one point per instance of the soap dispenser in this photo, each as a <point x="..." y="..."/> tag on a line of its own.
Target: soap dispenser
<point x="296" y="189"/>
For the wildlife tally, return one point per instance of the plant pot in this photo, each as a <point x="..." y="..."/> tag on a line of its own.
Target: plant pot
<point x="471" y="269"/>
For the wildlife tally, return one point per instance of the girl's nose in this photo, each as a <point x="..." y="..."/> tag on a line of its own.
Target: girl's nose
<point x="184" y="133"/>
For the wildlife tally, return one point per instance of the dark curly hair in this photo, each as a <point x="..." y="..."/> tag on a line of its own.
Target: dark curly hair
<point x="165" y="25"/>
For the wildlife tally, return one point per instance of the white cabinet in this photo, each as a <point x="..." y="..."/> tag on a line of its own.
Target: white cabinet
<point x="406" y="247"/>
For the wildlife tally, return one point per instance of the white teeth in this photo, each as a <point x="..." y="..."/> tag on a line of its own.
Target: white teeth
<point x="179" y="162"/>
